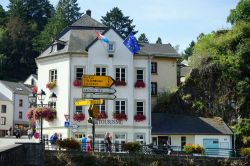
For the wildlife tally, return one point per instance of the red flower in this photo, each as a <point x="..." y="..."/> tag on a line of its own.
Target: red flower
<point x="120" y="116"/>
<point x="139" y="84"/>
<point x="102" y="115"/>
<point x="120" y="83"/>
<point x="79" y="117"/>
<point x="34" y="89"/>
<point x="77" y="83"/>
<point x="139" y="117"/>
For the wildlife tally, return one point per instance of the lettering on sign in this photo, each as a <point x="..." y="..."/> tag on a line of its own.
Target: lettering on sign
<point x="99" y="90"/>
<point x="99" y="96"/>
<point x="88" y="102"/>
<point x="108" y="122"/>
<point x="97" y="81"/>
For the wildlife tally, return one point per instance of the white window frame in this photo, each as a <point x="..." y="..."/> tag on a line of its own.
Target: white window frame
<point x="140" y="140"/>
<point x="120" y="78"/>
<point x="120" y="105"/>
<point x="119" y="141"/>
<point x="53" y="75"/>
<point x="3" y="121"/>
<point x="101" y="71"/>
<point x="156" y="88"/>
<point x="75" y="74"/>
<point x="113" y="46"/>
<point x="99" y="139"/>
<point x="20" y="102"/>
<point x="101" y="106"/>
<point x="143" y="111"/>
<point x="143" y="74"/>
<point x="3" y="109"/>
<point x="154" y="71"/>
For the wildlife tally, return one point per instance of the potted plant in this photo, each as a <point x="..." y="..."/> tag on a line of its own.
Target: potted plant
<point x="51" y="85"/>
<point x="120" y="83"/>
<point x="139" y="117"/>
<point x="77" y="83"/>
<point x="120" y="116"/>
<point x="102" y="115"/>
<point x="139" y="84"/>
<point x="48" y="114"/>
<point x="34" y="89"/>
<point x="78" y="116"/>
<point x="193" y="149"/>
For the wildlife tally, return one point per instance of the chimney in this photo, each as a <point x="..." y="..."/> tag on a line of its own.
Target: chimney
<point x="88" y="12"/>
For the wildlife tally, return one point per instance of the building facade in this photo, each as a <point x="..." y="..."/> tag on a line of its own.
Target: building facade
<point x="77" y="51"/>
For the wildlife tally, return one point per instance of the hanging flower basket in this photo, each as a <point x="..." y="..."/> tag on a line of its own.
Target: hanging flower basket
<point x="77" y="83"/>
<point x="49" y="114"/>
<point x="139" y="84"/>
<point x="78" y="116"/>
<point x="51" y="85"/>
<point x="139" y="117"/>
<point x="34" y="89"/>
<point x="120" y="83"/>
<point x="102" y="115"/>
<point x="120" y="116"/>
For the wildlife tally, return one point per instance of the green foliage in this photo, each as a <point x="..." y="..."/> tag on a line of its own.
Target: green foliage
<point x="193" y="148"/>
<point x="158" y="41"/>
<point x="132" y="147"/>
<point x="115" y="19"/>
<point x="143" y="38"/>
<point x="68" y="144"/>
<point x="198" y="105"/>
<point x="245" y="152"/>
<point x="189" y="51"/>
<point x="163" y="100"/>
<point x="186" y="97"/>
<point x="240" y="13"/>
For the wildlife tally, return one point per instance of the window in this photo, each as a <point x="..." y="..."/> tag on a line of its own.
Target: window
<point x="32" y="81"/>
<point x="153" y="88"/>
<point x="153" y="67"/>
<point x="139" y="107"/>
<point x="140" y="138"/>
<point x="3" y="120"/>
<point x="120" y="139"/>
<point x="120" y="74"/>
<point x="183" y="141"/>
<point x="102" y="107"/>
<point x="79" y="108"/>
<point x="99" y="145"/>
<point x="3" y="109"/>
<point x="52" y="104"/>
<point x="111" y="47"/>
<point x="79" y="73"/>
<point x="139" y="74"/>
<point x="78" y="135"/>
<point x="100" y="71"/>
<point x="20" y="115"/>
<point x="20" y="103"/>
<point x="120" y="106"/>
<point x="53" y="75"/>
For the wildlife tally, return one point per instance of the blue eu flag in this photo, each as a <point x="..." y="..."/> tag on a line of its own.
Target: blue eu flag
<point x="131" y="43"/>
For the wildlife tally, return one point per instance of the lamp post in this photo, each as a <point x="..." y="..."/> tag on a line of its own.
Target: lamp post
<point x="41" y="97"/>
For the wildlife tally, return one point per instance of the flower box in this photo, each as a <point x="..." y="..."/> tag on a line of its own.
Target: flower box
<point x="77" y="83"/>
<point x="139" y="84"/>
<point x="34" y="89"/>
<point x="49" y="114"/>
<point x="51" y="85"/>
<point x="120" y="83"/>
<point x="78" y="116"/>
<point x="101" y="115"/>
<point x="139" y="117"/>
<point x="120" y="116"/>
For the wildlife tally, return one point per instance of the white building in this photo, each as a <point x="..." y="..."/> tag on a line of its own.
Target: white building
<point x="31" y="80"/>
<point x="17" y="104"/>
<point x="76" y="51"/>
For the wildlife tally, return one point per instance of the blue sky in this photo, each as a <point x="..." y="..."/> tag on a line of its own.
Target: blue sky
<point x="176" y="21"/>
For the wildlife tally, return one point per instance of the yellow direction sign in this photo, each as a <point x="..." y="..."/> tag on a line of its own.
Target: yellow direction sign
<point x="88" y="102"/>
<point x="97" y="81"/>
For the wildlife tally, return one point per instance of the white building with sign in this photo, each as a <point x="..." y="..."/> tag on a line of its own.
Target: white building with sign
<point x="77" y="51"/>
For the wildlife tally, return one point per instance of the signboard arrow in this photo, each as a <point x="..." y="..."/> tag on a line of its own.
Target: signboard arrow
<point x="99" y="96"/>
<point x="99" y="90"/>
<point x="74" y="126"/>
<point x="97" y="81"/>
<point x="88" y="102"/>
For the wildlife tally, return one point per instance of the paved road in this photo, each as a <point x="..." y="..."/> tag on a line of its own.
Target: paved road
<point x="12" y="140"/>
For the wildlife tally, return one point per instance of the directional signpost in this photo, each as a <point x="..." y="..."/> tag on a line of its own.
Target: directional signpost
<point x="99" y="90"/>
<point x="88" y="102"/>
<point x="99" y="96"/>
<point x="97" y="81"/>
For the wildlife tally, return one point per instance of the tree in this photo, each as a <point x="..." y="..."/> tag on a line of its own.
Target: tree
<point x="3" y="16"/>
<point x="116" y="20"/>
<point x="240" y="13"/>
<point x="158" y="41"/>
<point x="143" y="38"/>
<point x="189" y="51"/>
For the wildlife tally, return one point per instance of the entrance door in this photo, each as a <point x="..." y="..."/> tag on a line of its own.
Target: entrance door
<point x="211" y="146"/>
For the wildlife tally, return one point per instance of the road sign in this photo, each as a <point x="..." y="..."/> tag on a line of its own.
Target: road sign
<point x="88" y="102"/>
<point x="97" y="81"/>
<point x="74" y="126"/>
<point x="74" y="130"/>
<point x="66" y="124"/>
<point x="99" y="90"/>
<point x="99" y="96"/>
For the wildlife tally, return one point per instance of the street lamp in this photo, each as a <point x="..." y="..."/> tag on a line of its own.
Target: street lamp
<point x="41" y="97"/>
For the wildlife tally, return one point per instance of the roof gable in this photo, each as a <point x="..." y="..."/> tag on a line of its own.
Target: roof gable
<point x="87" y="21"/>
<point x="17" y="87"/>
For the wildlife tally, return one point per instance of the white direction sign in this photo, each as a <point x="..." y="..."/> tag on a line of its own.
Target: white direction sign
<point x="74" y="126"/>
<point x="74" y="130"/>
<point x="99" y="96"/>
<point x="99" y="90"/>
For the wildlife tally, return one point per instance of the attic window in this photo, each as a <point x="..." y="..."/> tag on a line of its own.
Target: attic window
<point x="111" y="47"/>
<point x="19" y="89"/>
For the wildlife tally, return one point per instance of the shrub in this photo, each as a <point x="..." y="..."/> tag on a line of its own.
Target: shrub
<point x="193" y="148"/>
<point x="245" y="152"/>
<point x="132" y="147"/>
<point x="68" y="144"/>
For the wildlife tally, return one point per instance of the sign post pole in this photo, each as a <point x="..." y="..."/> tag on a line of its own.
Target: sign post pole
<point x="93" y="133"/>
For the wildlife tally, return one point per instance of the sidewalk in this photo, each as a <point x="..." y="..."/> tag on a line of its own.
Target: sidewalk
<point x="9" y="140"/>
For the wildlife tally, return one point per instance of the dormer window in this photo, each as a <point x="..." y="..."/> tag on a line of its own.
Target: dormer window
<point x="111" y="47"/>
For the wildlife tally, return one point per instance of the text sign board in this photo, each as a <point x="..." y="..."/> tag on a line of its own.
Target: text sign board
<point x="88" y="102"/>
<point x="97" y="81"/>
<point x="99" y="90"/>
<point x="74" y="126"/>
<point x="99" y="96"/>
